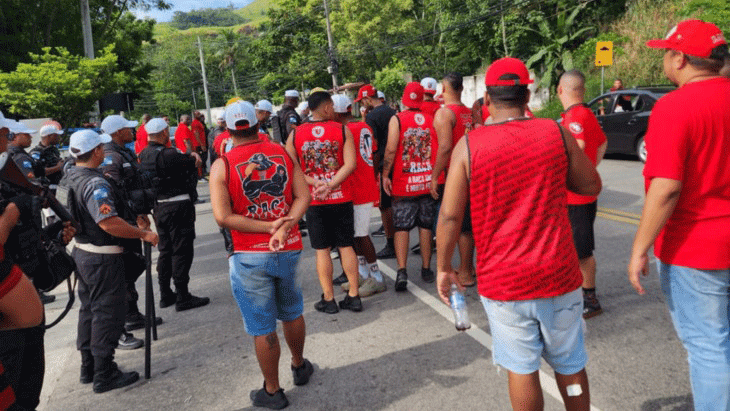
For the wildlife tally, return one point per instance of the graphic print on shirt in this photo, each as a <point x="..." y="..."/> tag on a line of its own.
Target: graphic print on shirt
<point x="263" y="180"/>
<point x="366" y="146"/>
<point x="416" y="153"/>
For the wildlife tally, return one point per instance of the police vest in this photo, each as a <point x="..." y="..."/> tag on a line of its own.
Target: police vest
<point x="48" y="157"/>
<point x="74" y="183"/>
<point x="522" y="235"/>
<point x="170" y="182"/>
<point x="259" y="179"/>
<point x="135" y="187"/>
<point x="416" y="153"/>
<point x="320" y="148"/>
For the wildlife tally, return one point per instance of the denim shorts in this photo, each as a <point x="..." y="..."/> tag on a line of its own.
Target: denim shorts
<point x="551" y="328"/>
<point x="266" y="287"/>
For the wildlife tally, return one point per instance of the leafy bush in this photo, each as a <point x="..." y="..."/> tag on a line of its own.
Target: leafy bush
<point x="206" y="17"/>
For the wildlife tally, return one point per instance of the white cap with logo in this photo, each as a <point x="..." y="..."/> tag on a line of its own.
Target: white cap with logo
<point x="19" y="128"/>
<point x="155" y="125"/>
<point x="4" y="122"/>
<point x="83" y="141"/>
<point x="341" y="103"/>
<point x="49" y="129"/>
<point x="291" y="93"/>
<point x="429" y="85"/>
<point x="240" y="111"/>
<point x="381" y="95"/>
<point x="264" y="105"/>
<point x="115" y="122"/>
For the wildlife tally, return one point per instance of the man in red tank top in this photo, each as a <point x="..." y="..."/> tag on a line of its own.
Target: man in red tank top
<point x="429" y="105"/>
<point x="583" y="125"/>
<point x="515" y="171"/>
<point x="259" y="194"/>
<point x="411" y="144"/>
<point x="452" y="122"/>
<point x="326" y="152"/>
<point x="365" y="192"/>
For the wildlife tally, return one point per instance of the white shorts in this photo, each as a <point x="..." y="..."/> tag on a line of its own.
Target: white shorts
<point x="362" y="219"/>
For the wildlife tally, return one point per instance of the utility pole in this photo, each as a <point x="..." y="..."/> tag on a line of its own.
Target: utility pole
<point x="88" y="45"/>
<point x="331" y="52"/>
<point x="208" y="117"/>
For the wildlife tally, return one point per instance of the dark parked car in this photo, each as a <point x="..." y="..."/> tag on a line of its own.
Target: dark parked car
<point x="624" y="117"/>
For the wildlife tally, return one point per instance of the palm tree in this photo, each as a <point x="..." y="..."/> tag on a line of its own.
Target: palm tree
<point x="228" y="54"/>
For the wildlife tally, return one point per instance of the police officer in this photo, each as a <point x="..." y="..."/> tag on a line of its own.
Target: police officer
<point x="47" y="154"/>
<point x="96" y="205"/>
<point x="287" y="119"/>
<point x="121" y="166"/>
<point x="175" y="175"/>
<point x="20" y="140"/>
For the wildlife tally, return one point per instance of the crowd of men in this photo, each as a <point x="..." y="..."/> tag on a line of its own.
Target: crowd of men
<point x="519" y="191"/>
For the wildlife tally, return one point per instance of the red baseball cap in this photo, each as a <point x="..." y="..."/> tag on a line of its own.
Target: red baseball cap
<point x="413" y="95"/>
<point x="366" y="91"/>
<point x="507" y="65"/>
<point x="692" y="37"/>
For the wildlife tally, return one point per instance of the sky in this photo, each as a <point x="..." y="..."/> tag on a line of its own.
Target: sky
<point x="187" y="5"/>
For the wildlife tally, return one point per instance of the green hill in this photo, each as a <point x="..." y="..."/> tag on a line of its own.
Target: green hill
<point x="255" y="12"/>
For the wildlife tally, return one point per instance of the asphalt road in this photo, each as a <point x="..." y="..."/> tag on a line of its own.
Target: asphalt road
<point x="401" y="353"/>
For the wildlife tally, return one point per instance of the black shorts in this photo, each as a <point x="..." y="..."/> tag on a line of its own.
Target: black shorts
<point x="331" y="225"/>
<point x="465" y="224"/>
<point x="582" y="218"/>
<point x="386" y="201"/>
<point x="409" y="212"/>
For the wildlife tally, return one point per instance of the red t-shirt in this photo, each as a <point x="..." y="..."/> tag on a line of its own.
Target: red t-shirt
<point x="430" y="107"/>
<point x="259" y="177"/>
<point x="141" y="141"/>
<point x="416" y="154"/>
<point x="522" y="234"/>
<point x="218" y="142"/>
<point x="183" y="134"/>
<point x="199" y="133"/>
<point x="463" y="125"/>
<point x="362" y="180"/>
<point x="688" y="140"/>
<point x="583" y="125"/>
<point x="320" y="148"/>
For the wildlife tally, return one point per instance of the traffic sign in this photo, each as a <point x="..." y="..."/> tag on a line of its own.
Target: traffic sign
<point x="604" y="53"/>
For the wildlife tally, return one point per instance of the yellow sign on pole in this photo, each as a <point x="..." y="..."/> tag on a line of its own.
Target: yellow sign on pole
<point x="604" y="53"/>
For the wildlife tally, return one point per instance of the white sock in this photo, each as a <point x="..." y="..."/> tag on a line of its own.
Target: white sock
<point x="375" y="272"/>
<point x="362" y="267"/>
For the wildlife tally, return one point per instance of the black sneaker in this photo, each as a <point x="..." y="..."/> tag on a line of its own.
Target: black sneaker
<point x="190" y="302"/>
<point x="340" y="280"/>
<point x="113" y="379"/>
<point x="275" y="401"/>
<point x="136" y="321"/>
<point x="351" y="303"/>
<point x="167" y="300"/>
<point x="387" y="252"/>
<point x="46" y="299"/>
<point x="427" y="275"/>
<point x="380" y="232"/>
<point x="401" y="280"/>
<point x="591" y="306"/>
<point x="302" y="373"/>
<point x="87" y="374"/>
<point x="128" y="342"/>
<point x="329" y="307"/>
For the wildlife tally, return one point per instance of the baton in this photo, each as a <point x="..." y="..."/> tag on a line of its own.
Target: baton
<point x="149" y="311"/>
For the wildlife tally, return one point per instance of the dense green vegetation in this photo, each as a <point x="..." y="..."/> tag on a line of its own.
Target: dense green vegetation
<point x="222" y="17"/>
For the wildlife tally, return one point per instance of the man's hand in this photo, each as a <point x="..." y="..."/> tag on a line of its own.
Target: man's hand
<point x="151" y="237"/>
<point x="322" y="190"/>
<point x="637" y="268"/>
<point x="276" y="224"/>
<point x="68" y="232"/>
<point x="434" y="189"/>
<point x="444" y="279"/>
<point x="143" y="222"/>
<point x="278" y="240"/>
<point x="198" y="160"/>
<point x="387" y="186"/>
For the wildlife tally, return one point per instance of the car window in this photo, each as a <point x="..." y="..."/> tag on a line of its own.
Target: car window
<point x="602" y="106"/>
<point x="627" y="102"/>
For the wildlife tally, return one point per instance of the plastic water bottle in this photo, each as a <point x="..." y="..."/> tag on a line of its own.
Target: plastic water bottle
<point x="458" y="306"/>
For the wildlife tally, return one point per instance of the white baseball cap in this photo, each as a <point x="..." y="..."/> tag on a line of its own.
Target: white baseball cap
<point x="381" y="94"/>
<point x="239" y="111"/>
<point x="115" y="122"/>
<point x="49" y="129"/>
<point x="291" y="93"/>
<point x="16" y="127"/>
<point x="429" y="85"/>
<point x="83" y="141"/>
<point x="221" y="116"/>
<point x="264" y="105"/>
<point x="4" y="122"/>
<point x="155" y="125"/>
<point x="341" y="103"/>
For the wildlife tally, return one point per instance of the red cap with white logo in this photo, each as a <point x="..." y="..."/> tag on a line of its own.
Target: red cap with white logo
<point x="413" y="95"/>
<point x="366" y="91"/>
<point x="692" y="37"/>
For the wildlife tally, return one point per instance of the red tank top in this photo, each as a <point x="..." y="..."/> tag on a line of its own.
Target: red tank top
<point x="463" y="125"/>
<point x="259" y="179"/>
<point x="362" y="180"/>
<point x="320" y="148"/>
<point x="415" y="155"/>
<point x="522" y="234"/>
<point x="430" y="107"/>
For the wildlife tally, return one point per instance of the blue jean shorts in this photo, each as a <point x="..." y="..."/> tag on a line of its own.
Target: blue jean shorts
<point x="266" y="287"/>
<point x="551" y="328"/>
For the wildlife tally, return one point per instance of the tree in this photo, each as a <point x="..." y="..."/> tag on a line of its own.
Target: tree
<point x="59" y="85"/>
<point x="228" y="54"/>
<point x="391" y="80"/>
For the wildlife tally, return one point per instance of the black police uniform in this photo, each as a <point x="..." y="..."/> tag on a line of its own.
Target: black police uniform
<point x="289" y="116"/>
<point x="100" y="270"/>
<point x="176" y="176"/>
<point x="211" y="139"/>
<point x="48" y="156"/>
<point x="25" y="162"/>
<point x="121" y="167"/>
